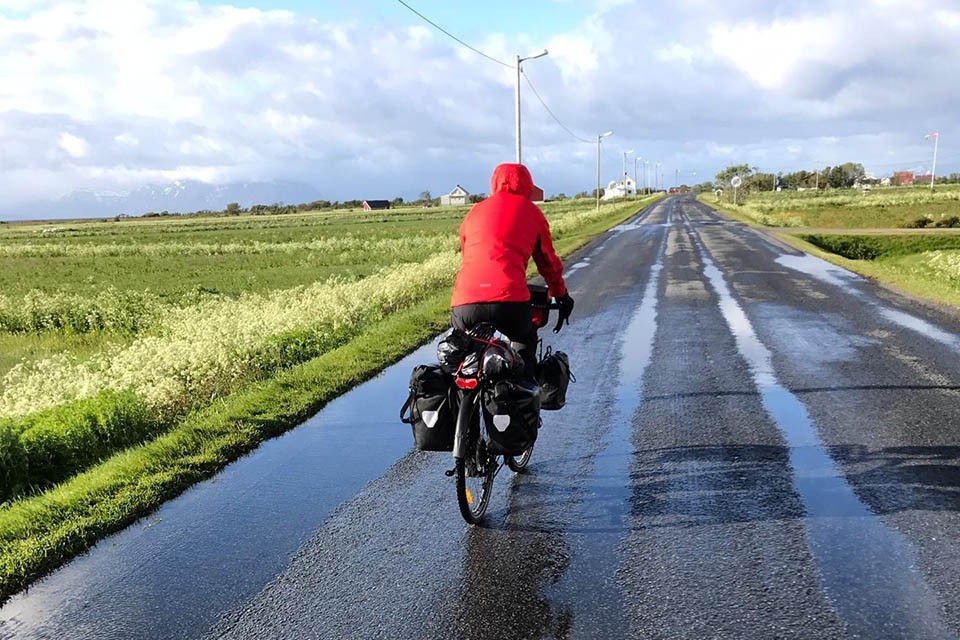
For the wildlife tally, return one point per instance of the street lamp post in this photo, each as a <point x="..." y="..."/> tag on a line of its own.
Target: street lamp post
<point x="624" y="179"/>
<point x="636" y="183"/>
<point x="657" y="176"/>
<point x="599" y="137"/>
<point x="646" y="177"/>
<point x="517" y="101"/>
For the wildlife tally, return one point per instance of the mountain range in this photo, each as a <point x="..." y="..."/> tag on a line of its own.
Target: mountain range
<point x="178" y="197"/>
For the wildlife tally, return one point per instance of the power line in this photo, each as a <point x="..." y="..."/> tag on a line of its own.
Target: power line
<point x="475" y="50"/>
<point x="500" y="62"/>
<point x="557" y="120"/>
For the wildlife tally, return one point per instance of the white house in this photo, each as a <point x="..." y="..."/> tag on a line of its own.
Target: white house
<point x="621" y="188"/>
<point x="455" y="197"/>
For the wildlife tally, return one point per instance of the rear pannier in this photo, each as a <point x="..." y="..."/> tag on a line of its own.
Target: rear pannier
<point x="553" y="372"/>
<point x="453" y="348"/>
<point x="511" y="412"/>
<point x="432" y="405"/>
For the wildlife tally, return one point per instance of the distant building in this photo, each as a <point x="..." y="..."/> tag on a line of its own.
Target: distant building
<point x="620" y="189"/>
<point x="371" y="205"/>
<point x="456" y="197"/>
<point x="537" y="194"/>
<point x="902" y="178"/>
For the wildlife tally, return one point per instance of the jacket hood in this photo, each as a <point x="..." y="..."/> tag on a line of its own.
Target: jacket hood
<point x="510" y="177"/>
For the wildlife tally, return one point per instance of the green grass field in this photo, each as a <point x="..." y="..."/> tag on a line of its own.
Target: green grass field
<point x="872" y="233"/>
<point x="890" y="207"/>
<point x="143" y="355"/>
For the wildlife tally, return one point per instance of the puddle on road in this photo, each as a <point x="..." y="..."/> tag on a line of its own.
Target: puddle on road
<point x="820" y="269"/>
<point x="832" y="274"/>
<point x="172" y="574"/>
<point x="920" y="326"/>
<point x="588" y="588"/>
<point x="580" y="265"/>
<point x="866" y="569"/>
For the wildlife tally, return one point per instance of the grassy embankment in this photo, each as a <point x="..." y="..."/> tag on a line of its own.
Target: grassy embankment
<point x="207" y="336"/>
<point x="876" y="233"/>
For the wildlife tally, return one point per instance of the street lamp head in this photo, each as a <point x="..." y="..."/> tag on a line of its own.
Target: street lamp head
<point x="604" y="135"/>
<point x="538" y="55"/>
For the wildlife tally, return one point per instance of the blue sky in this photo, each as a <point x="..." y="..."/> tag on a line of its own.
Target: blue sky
<point x="463" y="18"/>
<point x="363" y="99"/>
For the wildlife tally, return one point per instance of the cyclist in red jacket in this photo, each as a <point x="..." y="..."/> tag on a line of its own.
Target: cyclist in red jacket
<point x="498" y="237"/>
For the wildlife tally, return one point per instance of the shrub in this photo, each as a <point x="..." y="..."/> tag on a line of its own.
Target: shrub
<point x="852" y="247"/>
<point x="52" y="445"/>
<point x="13" y="461"/>
<point x="952" y="221"/>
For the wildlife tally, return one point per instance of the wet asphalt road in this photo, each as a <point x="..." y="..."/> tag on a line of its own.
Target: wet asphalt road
<point x="758" y="445"/>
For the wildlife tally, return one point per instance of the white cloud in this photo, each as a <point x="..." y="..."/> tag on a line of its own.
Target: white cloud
<point x="676" y="51"/>
<point x="771" y="53"/>
<point x="117" y="93"/>
<point x="126" y="139"/>
<point x="73" y="145"/>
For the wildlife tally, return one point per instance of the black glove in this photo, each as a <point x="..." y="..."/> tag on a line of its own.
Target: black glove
<point x="565" y="303"/>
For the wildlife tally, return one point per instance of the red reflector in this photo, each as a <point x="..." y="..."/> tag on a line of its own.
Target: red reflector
<point x="537" y="316"/>
<point x="467" y="383"/>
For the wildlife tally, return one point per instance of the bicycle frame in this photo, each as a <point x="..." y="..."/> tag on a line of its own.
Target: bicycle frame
<point x="469" y="398"/>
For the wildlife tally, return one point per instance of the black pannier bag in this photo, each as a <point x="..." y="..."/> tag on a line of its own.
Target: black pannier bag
<point x="499" y="360"/>
<point x="553" y="372"/>
<point x="511" y="412"/>
<point x="453" y="348"/>
<point x="432" y="404"/>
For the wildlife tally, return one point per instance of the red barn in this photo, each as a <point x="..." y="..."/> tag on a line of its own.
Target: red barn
<point x="903" y="178"/>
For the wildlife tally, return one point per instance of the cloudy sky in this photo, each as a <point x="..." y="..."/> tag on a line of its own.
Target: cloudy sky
<point x="366" y="99"/>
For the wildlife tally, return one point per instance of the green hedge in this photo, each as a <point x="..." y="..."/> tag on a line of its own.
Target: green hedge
<point x="50" y="446"/>
<point x="874" y="247"/>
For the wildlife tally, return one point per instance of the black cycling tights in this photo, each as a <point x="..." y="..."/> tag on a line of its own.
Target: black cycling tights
<point x="512" y="319"/>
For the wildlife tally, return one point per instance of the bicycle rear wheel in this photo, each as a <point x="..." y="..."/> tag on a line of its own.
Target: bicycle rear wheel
<point x="519" y="463"/>
<point x="475" y="484"/>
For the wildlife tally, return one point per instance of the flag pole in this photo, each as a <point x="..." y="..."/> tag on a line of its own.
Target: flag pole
<point x="933" y="171"/>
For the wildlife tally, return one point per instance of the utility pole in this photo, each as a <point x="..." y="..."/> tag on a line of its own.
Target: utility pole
<point x="636" y="185"/>
<point x="517" y="98"/>
<point x="625" y="175"/>
<point x="936" y="141"/>
<point x="599" y="137"/>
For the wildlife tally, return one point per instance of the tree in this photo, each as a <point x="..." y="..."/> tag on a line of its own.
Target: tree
<point x="396" y="202"/>
<point x="474" y="198"/>
<point x="725" y="176"/>
<point x="425" y="197"/>
<point x="233" y="209"/>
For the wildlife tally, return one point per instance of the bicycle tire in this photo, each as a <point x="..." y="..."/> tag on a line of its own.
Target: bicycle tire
<point x="472" y="506"/>
<point x="519" y="463"/>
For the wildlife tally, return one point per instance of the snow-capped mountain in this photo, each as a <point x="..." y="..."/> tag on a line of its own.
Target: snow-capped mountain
<point x="178" y="197"/>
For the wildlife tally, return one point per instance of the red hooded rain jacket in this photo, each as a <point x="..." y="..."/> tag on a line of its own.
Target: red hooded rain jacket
<point x="498" y="237"/>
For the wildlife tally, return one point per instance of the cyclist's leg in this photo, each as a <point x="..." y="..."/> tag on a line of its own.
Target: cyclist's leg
<point x="514" y="321"/>
<point x="466" y="316"/>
